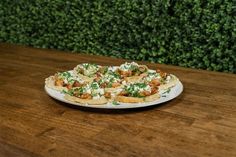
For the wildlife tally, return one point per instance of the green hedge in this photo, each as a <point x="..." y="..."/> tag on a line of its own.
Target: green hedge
<point x="190" y="33"/>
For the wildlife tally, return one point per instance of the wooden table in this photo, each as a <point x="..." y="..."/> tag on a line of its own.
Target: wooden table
<point x="200" y="122"/>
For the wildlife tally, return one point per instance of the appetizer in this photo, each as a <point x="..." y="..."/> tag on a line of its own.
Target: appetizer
<point x="94" y="84"/>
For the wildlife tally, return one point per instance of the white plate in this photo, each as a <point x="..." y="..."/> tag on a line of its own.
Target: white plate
<point x="174" y="92"/>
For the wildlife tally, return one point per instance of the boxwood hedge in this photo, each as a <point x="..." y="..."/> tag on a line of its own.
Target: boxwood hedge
<point x="190" y="33"/>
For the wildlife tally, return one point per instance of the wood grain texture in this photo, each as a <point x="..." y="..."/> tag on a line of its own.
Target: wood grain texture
<point x="200" y="122"/>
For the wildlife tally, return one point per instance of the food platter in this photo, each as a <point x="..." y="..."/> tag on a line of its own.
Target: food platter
<point x="129" y="85"/>
<point x="175" y="91"/>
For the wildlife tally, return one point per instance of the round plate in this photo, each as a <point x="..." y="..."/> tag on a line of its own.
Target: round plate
<point x="165" y="96"/>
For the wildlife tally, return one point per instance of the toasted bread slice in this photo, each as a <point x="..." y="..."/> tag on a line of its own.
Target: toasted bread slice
<point x="99" y="101"/>
<point x="126" y="99"/>
<point x="172" y="82"/>
<point x="50" y="83"/>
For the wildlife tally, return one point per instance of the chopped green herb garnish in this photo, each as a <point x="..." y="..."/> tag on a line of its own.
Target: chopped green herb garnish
<point x="115" y="103"/>
<point x="64" y="75"/>
<point x="109" y="85"/>
<point x="94" y="94"/>
<point x="69" y="92"/>
<point x="167" y="91"/>
<point x="94" y="85"/>
<point x="134" y="89"/>
<point x="104" y="69"/>
<point x="87" y="65"/>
